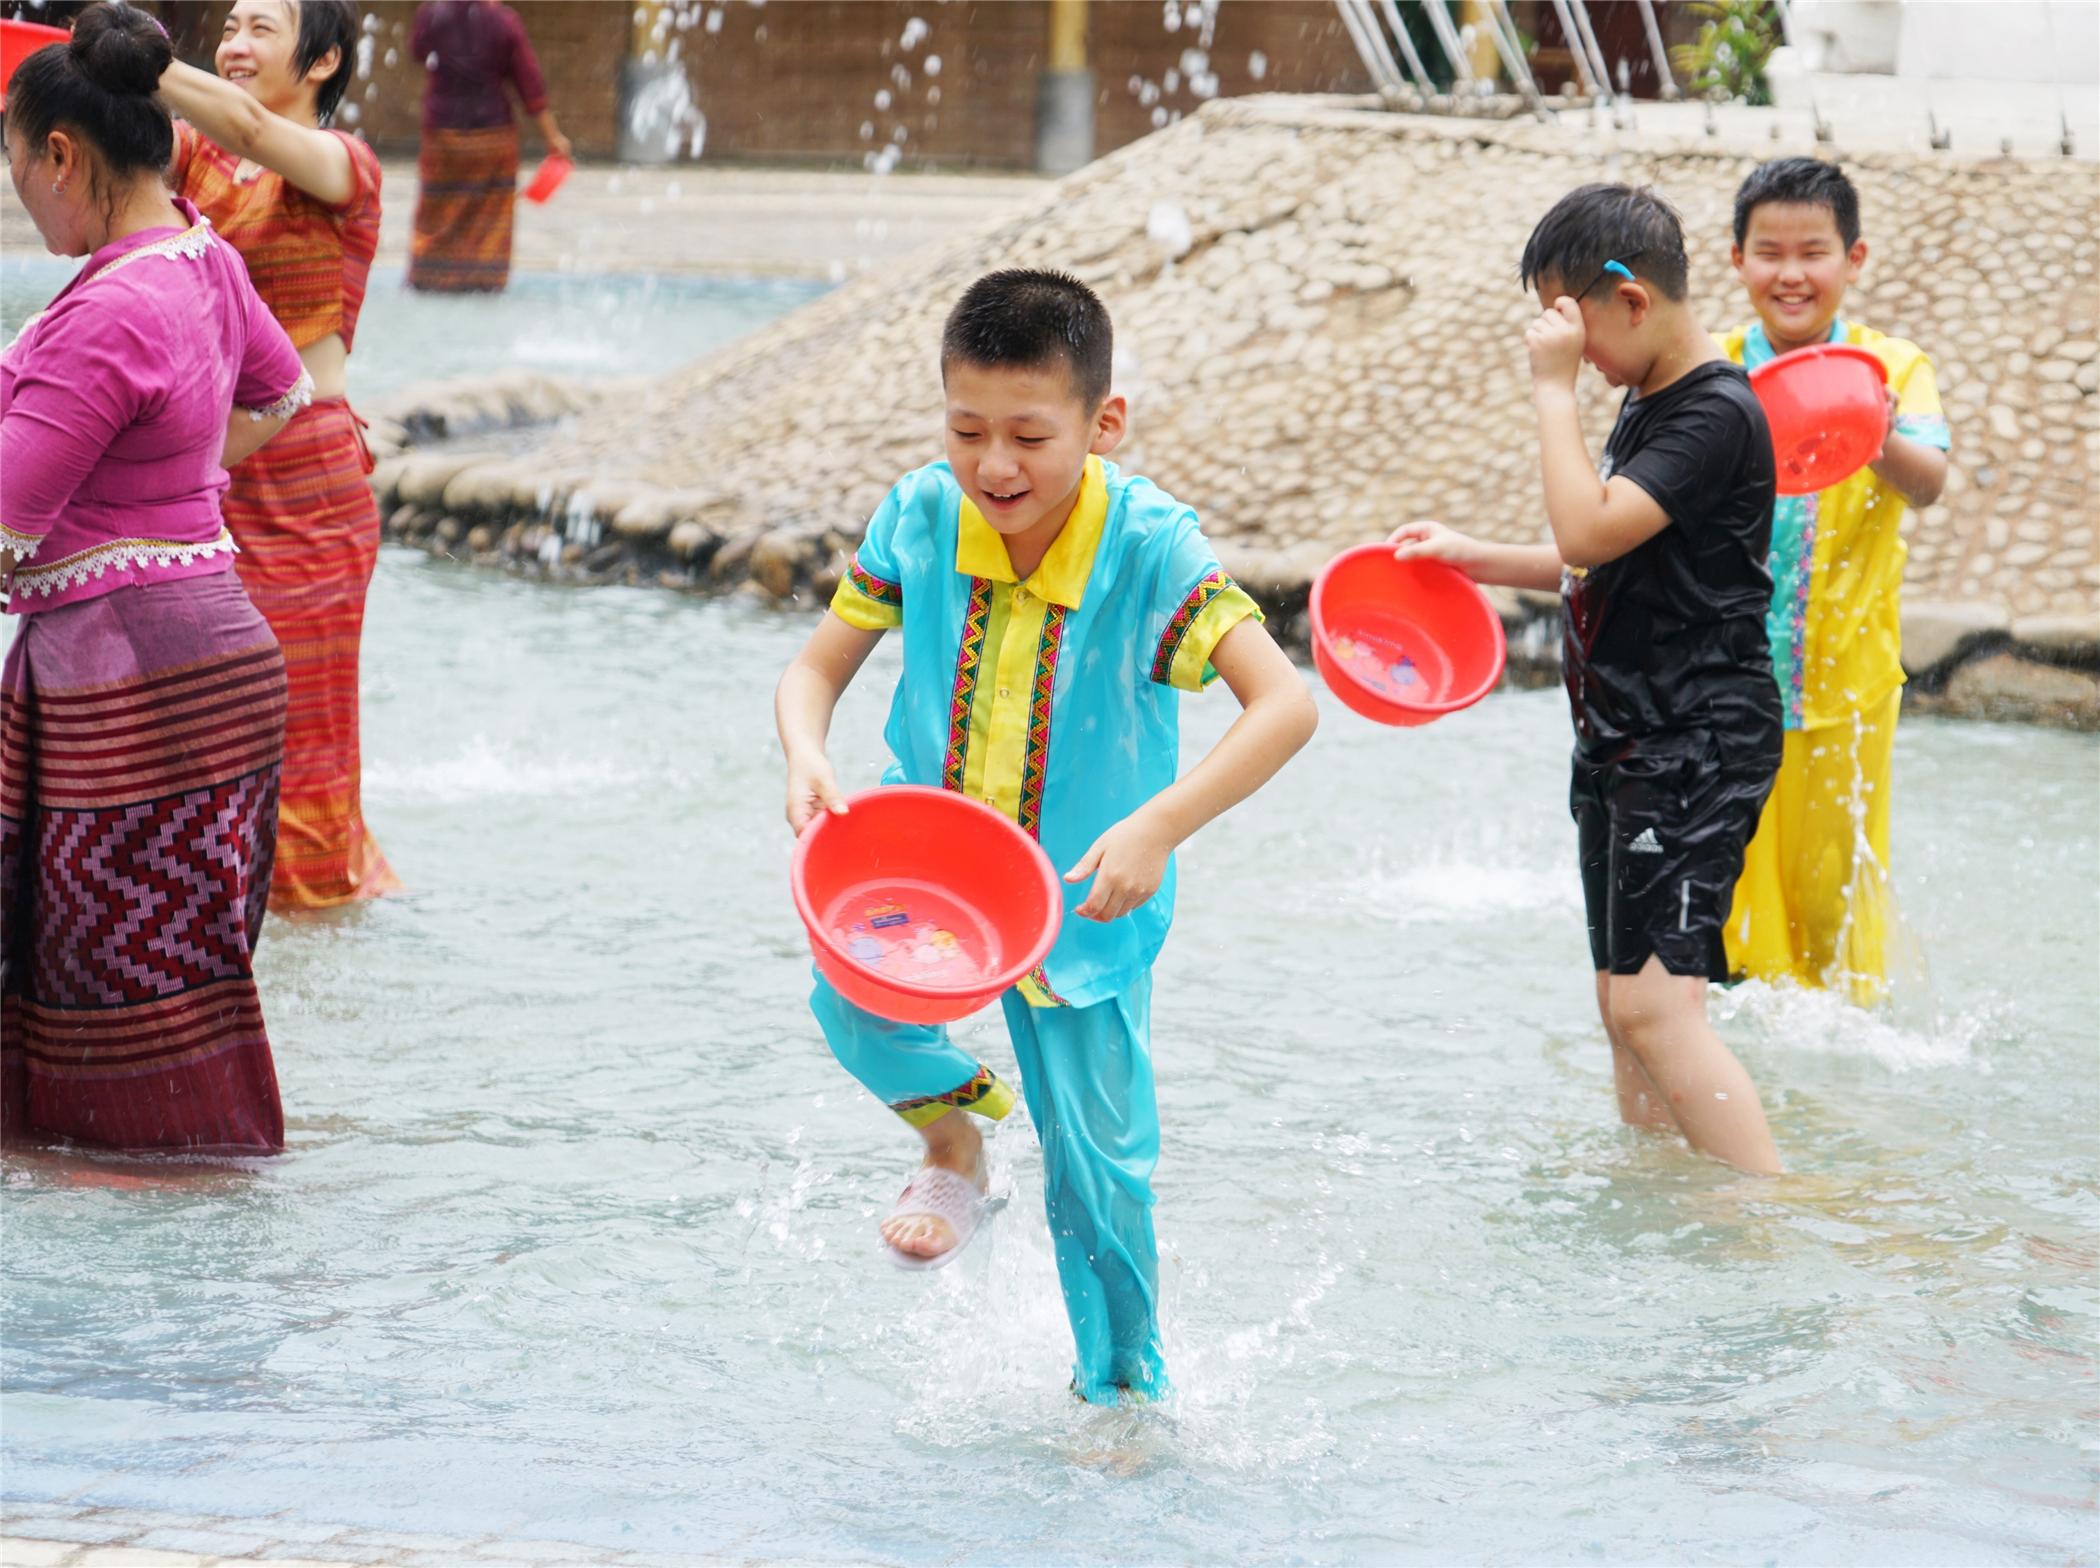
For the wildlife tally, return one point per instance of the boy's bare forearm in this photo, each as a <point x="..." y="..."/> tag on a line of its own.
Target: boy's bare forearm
<point x="802" y="707"/>
<point x="1519" y="566"/>
<point x="813" y="682"/>
<point x="1574" y="493"/>
<point x="1277" y="718"/>
<point x="1262" y="739"/>
<point x="1916" y="472"/>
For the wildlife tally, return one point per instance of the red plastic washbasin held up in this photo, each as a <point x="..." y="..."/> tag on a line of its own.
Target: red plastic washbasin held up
<point x="1828" y="408"/>
<point x="924" y="905"/>
<point x="1403" y="642"/>
<point x="20" y="40"/>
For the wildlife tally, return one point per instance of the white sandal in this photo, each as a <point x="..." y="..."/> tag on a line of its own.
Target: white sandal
<point x="937" y="1193"/>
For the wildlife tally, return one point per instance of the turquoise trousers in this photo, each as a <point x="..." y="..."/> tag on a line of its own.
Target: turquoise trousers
<point x="1087" y="1075"/>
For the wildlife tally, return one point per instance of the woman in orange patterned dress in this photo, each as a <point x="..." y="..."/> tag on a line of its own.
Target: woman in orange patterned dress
<point x="301" y="204"/>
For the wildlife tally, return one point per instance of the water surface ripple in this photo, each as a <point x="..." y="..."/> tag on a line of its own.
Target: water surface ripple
<point x="575" y="1239"/>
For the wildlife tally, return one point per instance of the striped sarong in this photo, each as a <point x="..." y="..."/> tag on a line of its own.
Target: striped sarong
<point x="467" y="187"/>
<point x="308" y="528"/>
<point x="140" y="737"/>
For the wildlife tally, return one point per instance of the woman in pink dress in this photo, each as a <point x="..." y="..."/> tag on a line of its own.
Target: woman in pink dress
<point x="143" y="699"/>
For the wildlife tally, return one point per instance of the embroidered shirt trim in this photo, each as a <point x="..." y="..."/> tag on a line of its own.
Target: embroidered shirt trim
<point x="301" y="395"/>
<point x="75" y="570"/>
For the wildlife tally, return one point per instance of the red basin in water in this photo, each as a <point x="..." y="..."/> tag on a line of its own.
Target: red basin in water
<point x="924" y="905"/>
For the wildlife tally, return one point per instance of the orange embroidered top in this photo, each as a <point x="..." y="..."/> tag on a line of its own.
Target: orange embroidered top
<point x="308" y="260"/>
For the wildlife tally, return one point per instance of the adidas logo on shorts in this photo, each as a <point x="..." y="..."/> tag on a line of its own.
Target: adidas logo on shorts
<point x="1646" y="844"/>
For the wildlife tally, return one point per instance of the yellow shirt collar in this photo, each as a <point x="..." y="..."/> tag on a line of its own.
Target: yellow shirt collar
<point x="1062" y="576"/>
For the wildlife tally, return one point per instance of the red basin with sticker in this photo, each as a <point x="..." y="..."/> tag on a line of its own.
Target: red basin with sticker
<point x="1403" y="642"/>
<point x="924" y="905"/>
<point x="1828" y="408"/>
<point x="20" y="40"/>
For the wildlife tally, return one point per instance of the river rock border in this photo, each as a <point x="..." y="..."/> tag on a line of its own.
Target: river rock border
<point x="1972" y="660"/>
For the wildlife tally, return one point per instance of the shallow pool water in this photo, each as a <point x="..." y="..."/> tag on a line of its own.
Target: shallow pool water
<point x="575" y="1237"/>
<point x="610" y="325"/>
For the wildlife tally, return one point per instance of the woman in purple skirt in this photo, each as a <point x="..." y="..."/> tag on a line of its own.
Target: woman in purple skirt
<point x="142" y="703"/>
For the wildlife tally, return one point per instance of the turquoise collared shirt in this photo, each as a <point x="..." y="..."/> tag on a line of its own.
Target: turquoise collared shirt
<point x="1055" y="700"/>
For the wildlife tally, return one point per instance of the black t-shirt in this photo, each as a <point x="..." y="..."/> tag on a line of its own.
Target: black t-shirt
<point x="1664" y="647"/>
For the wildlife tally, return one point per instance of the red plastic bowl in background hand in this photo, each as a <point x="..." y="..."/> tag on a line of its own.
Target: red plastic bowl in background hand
<point x="1403" y="642"/>
<point x="548" y="177"/>
<point x="924" y="905"/>
<point x="1828" y="408"/>
<point x="20" y="40"/>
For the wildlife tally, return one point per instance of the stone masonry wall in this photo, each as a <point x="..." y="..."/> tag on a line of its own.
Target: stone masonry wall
<point x="1319" y="325"/>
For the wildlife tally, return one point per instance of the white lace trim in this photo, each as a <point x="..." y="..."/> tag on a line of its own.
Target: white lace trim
<point x="191" y="243"/>
<point x="75" y="570"/>
<point x="299" y="397"/>
<point x="22" y="545"/>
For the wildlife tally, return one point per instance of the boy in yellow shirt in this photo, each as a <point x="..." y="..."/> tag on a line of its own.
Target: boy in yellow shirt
<point x="1812" y="903"/>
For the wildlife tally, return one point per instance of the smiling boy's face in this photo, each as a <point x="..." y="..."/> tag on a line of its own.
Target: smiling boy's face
<point x="1019" y="437"/>
<point x="1795" y="266"/>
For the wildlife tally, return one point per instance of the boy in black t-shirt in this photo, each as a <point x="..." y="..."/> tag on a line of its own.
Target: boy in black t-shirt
<point x="1659" y="554"/>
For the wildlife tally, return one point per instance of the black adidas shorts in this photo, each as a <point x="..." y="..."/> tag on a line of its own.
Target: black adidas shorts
<point x="1662" y="835"/>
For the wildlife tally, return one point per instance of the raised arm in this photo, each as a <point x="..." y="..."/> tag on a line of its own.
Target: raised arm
<point x="314" y="160"/>
<point x="1594" y="520"/>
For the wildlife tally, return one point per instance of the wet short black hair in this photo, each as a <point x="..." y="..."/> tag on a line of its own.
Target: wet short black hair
<point x="1806" y="182"/>
<point x="1598" y="223"/>
<point x="326" y="25"/>
<point x="1025" y="319"/>
<point x="101" y="85"/>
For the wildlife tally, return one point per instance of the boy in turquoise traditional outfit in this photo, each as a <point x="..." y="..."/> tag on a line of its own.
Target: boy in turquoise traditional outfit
<point x="1053" y="609"/>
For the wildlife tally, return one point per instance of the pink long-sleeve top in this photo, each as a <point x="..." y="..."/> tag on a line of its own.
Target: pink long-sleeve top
<point x="114" y="403"/>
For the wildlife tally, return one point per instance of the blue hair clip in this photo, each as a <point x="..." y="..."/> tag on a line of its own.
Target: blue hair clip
<point x="1620" y="268"/>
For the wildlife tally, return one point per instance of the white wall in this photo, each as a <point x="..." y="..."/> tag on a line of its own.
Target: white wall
<point x="2032" y="41"/>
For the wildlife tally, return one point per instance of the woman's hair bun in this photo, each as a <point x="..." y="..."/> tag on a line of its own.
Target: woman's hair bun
<point x="120" y="49"/>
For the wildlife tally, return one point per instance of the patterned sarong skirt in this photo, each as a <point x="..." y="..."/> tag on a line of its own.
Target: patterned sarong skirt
<point x="308" y="527"/>
<point x="140" y="739"/>
<point x="464" y="201"/>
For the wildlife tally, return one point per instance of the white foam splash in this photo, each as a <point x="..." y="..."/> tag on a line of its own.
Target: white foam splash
<point x="1443" y="890"/>
<point x="482" y="771"/>
<point x="1823" y="1023"/>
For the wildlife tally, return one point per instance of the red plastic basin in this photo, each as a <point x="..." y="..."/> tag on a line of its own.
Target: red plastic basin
<point x="20" y="40"/>
<point x="1828" y="408"/>
<point x="924" y="905"/>
<point x="547" y="179"/>
<point x="1403" y="642"/>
